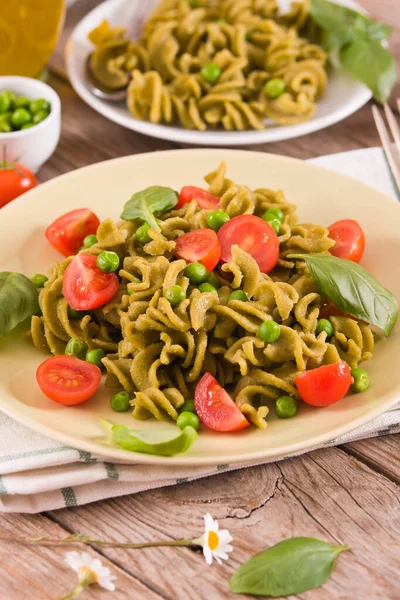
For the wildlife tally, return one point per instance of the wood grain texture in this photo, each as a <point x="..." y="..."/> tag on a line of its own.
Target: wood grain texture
<point x="343" y="495"/>
<point x="41" y="573"/>
<point x="326" y="494"/>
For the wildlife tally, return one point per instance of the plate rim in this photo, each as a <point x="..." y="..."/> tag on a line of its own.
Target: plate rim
<point x="262" y="455"/>
<point x="202" y="138"/>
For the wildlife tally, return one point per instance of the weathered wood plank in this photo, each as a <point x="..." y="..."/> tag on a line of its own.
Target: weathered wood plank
<point x="40" y="573"/>
<point x="381" y="454"/>
<point x="326" y="494"/>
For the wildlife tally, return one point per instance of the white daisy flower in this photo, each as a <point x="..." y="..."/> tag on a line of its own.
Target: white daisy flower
<point x="90" y="570"/>
<point x="216" y="543"/>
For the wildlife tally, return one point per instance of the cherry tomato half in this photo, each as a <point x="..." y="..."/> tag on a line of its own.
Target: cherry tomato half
<point x="14" y="181"/>
<point x="215" y="407"/>
<point x="204" y="199"/>
<point x="67" y="232"/>
<point x="201" y="245"/>
<point x="349" y="238"/>
<point x="85" y="286"/>
<point x="325" y="385"/>
<point x="68" y="380"/>
<point x="253" y="235"/>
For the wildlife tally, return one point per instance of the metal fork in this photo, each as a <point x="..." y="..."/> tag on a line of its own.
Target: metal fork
<point x="386" y="140"/>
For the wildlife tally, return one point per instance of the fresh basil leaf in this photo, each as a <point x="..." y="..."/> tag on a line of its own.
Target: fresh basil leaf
<point x="143" y="205"/>
<point x="18" y="300"/>
<point x="352" y="289"/>
<point x="331" y="40"/>
<point x="161" y="442"/>
<point x="332" y="16"/>
<point x="290" y="567"/>
<point x="369" y="62"/>
<point x="378" y="31"/>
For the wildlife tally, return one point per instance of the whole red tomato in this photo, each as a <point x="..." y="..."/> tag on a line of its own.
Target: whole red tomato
<point x="14" y="181"/>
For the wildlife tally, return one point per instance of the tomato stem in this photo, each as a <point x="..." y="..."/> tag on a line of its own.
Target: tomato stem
<point x="10" y="166"/>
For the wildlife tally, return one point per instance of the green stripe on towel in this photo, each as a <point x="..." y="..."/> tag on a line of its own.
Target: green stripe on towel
<point x="112" y="472"/>
<point x="69" y="497"/>
<point x="3" y="489"/>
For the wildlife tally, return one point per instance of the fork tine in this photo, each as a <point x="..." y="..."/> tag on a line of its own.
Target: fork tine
<point x="386" y="142"/>
<point x="395" y="129"/>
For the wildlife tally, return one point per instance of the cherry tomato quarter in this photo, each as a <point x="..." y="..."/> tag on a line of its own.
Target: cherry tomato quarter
<point x="68" y="380"/>
<point x="215" y="407"/>
<point x="67" y="232"/>
<point x="200" y="245"/>
<point x="349" y="238"/>
<point x="203" y="198"/>
<point x="85" y="286"/>
<point x="255" y="236"/>
<point x="325" y="385"/>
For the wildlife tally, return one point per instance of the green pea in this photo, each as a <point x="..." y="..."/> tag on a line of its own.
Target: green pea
<point x="5" y="102"/>
<point x="324" y="325"/>
<point x="221" y="21"/>
<point x="274" y="87"/>
<point x="28" y="125"/>
<point x="40" y="116"/>
<point x="39" y="105"/>
<point x="286" y="407"/>
<point x="210" y="73"/>
<point x="273" y="213"/>
<point x="89" y="241"/>
<point x="21" y="102"/>
<point x="248" y="36"/>
<point x="361" y="380"/>
<point x="5" y="127"/>
<point x="213" y="280"/>
<point x="73" y="314"/>
<point x="6" y="116"/>
<point x="10" y="95"/>
<point x="207" y="287"/>
<point x="95" y="356"/>
<point x="216" y="219"/>
<point x="196" y="273"/>
<point x="142" y="234"/>
<point x="192" y="3"/>
<point x="175" y="294"/>
<point x="39" y="280"/>
<point x="20" y="117"/>
<point x="269" y="331"/>
<point x="187" y="419"/>
<point x="275" y="224"/>
<point x="120" y="402"/>
<point x="188" y="406"/>
<point x="108" y="262"/>
<point x="238" y="295"/>
<point x="76" y="347"/>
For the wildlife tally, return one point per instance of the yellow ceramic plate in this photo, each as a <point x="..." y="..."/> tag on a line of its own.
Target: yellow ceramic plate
<point x="322" y="197"/>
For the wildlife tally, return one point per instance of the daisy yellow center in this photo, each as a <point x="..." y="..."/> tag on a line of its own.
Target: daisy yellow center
<point x="213" y="540"/>
<point x="87" y="576"/>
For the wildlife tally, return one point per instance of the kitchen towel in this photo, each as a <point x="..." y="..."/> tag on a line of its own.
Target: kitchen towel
<point x="38" y="474"/>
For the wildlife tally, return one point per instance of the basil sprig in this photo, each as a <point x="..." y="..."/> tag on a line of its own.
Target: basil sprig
<point x="18" y="300"/>
<point x="352" y="289"/>
<point x="290" y="567"/>
<point x="358" y="39"/>
<point x="143" y="205"/>
<point x="160" y="442"/>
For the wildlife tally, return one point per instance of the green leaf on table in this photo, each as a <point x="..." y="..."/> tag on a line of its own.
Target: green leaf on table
<point x="160" y="442"/>
<point x="145" y="204"/>
<point x="18" y="300"/>
<point x="369" y="62"/>
<point x="352" y="289"/>
<point x="290" y="567"/>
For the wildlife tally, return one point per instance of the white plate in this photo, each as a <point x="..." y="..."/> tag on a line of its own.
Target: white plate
<point x="322" y="196"/>
<point x="343" y="97"/>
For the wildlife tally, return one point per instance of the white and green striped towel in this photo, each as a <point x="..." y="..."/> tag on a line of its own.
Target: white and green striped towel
<point x="38" y="474"/>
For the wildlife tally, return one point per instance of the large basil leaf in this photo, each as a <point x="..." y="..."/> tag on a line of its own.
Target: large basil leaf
<point x="161" y="442"/>
<point x="143" y="205"/>
<point x="346" y="21"/>
<point x="290" y="567"/>
<point x="353" y="289"/>
<point x="18" y="300"/>
<point x="373" y="65"/>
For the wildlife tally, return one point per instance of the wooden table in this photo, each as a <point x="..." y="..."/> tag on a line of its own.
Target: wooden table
<point x="347" y="494"/>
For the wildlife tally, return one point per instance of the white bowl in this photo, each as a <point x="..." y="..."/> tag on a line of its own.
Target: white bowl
<point x="33" y="146"/>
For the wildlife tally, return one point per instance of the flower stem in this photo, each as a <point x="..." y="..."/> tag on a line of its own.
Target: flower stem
<point x="44" y="541"/>
<point x="75" y="592"/>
